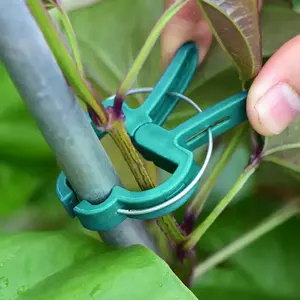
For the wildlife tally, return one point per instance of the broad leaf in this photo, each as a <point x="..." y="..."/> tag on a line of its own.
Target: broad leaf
<point x="61" y="266"/>
<point x="237" y="28"/>
<point x="279" y="24"/>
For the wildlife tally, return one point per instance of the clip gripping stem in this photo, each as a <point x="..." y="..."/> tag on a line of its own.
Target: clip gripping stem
<point x="170" y="150"/>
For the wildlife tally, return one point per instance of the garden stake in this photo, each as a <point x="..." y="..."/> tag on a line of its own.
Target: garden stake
<point x="39" y="80"/>
<point x="171" y="150"/>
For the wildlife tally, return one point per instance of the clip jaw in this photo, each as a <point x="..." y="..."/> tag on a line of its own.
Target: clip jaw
<point x="170" y="150"/>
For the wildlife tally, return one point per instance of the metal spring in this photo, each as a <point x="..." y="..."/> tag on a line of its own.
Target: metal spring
<point x="135" y="212"/>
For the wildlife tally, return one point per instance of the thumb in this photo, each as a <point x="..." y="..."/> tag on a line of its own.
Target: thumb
<point x="273" y="100"/>
<point x="187" y="25"/>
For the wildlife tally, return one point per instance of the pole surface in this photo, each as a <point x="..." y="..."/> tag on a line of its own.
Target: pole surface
<point x="40" y="82"/>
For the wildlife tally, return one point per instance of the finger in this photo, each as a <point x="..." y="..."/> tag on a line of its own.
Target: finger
<point x="187" y="25"/>
<point x="273" y="100"/>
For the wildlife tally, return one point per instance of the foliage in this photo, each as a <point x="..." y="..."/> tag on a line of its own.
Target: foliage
<point x="65" y="265"/>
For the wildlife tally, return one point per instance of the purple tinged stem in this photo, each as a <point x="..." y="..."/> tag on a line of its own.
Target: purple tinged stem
<point x="188" y="222"/>
<point x="117" y="107"/>
<point x="257" y="150"/>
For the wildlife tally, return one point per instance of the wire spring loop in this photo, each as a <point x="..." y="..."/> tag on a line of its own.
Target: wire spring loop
<point x="136" y="212"/>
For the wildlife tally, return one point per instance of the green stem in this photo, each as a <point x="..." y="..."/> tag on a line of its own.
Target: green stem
<point x="148" y="45"/>
<point x="281" y="148"/>
<point x="82" y="89"/>
<point x="119" y="134"/>
<point x="203" y="227"/>
<point x="205" y="190"/>
<point x="70" y="34"/>
<point x="64" y="59"/>
<point x="267" y="225"/>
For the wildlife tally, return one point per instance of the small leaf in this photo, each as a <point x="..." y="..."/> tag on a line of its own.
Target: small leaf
<point x="284" y="149"/>
<point x="235" y="24"/>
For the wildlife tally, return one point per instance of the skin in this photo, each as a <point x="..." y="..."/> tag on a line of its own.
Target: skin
<point x="273" y="101"/>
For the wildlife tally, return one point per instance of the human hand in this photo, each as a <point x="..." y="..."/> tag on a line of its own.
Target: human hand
<point x="273" y="100"/>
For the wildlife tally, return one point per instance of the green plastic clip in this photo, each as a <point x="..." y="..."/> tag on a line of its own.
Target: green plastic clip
<point x="171" y="150"/>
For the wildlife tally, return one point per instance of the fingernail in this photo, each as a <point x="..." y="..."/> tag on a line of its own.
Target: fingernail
<point x="278" y="108"/>
<point x="174" y="36"/>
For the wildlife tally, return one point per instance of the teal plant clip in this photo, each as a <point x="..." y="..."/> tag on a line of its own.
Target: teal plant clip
<point x="170" y="150"/>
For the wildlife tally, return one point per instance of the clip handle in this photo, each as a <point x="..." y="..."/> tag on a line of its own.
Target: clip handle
<point x="177" y="77"/>
<point x="221" y="117"/>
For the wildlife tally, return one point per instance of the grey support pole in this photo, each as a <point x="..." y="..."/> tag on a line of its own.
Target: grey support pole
<point x="40" y="82"/>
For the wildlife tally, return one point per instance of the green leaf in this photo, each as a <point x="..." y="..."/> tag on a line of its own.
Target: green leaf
<point x="269" y="268"/>
<point x="62" y="265"/>
<point x="296" y="5"/>
<point x="279" y="24"/>
<point x="236" y="26"/>
<point x="283" y="149"/>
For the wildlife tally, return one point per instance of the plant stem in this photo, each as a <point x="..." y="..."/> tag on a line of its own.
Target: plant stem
<point x="203" y="227"/>
<point x="117" y="129"/>
<point x="276" y="219"/>
<point x="70" y="34"/>
<point x="119" y="135"/>
<point x="130" y="154"/>
<point x="42" y="86"/>
<point x="205" y="190"/>
<point x="64" y="59"/>
<point x="147" y="47"/>
<point x="281" y="148"/>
